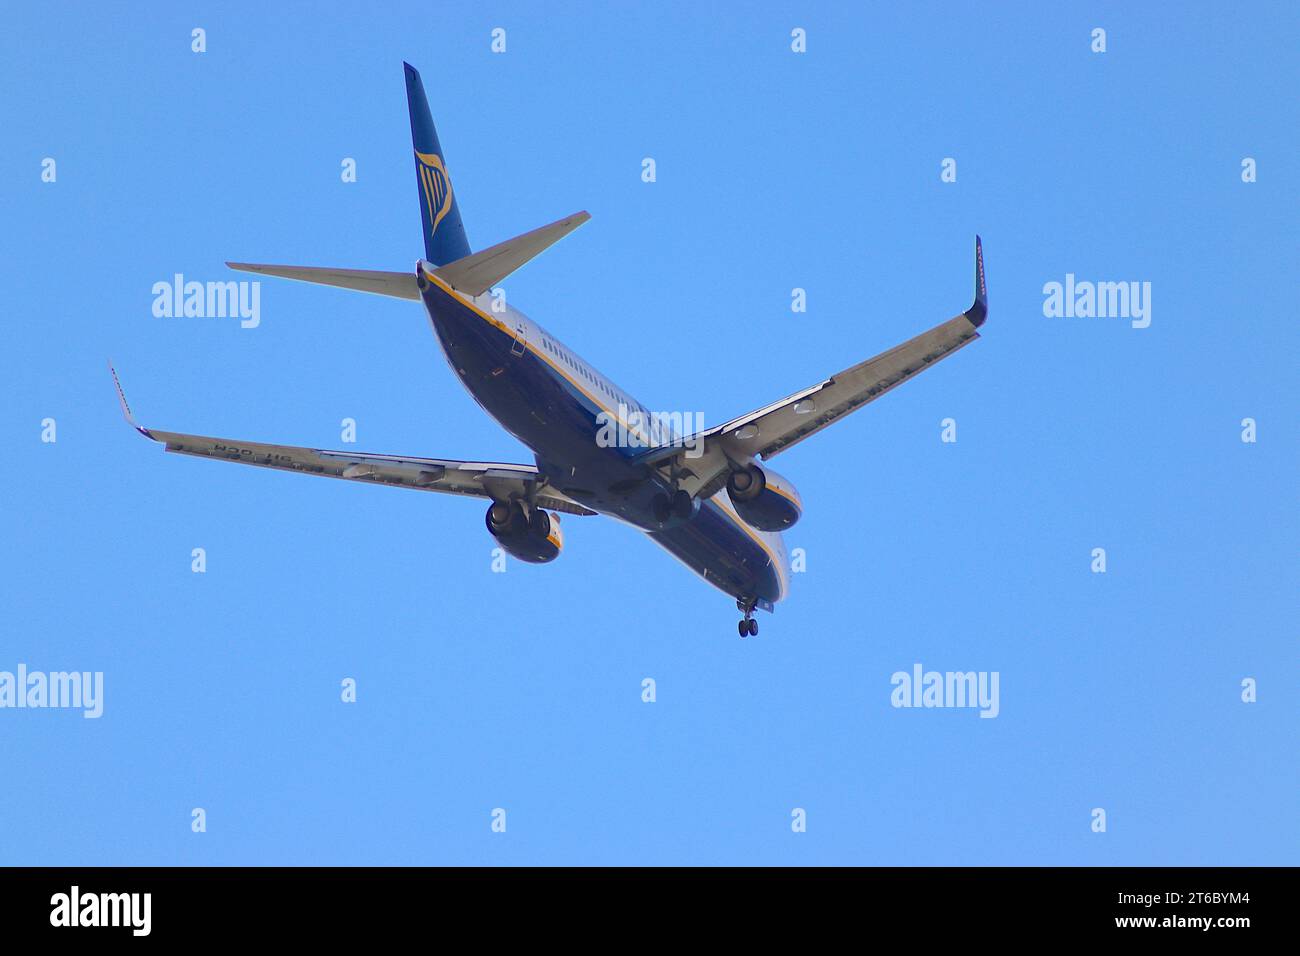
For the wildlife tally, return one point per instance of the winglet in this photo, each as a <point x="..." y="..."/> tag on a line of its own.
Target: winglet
<point x="979" y="310"/>
<point x="126" y="409"/>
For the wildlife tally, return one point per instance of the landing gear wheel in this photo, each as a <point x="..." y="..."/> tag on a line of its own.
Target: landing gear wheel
<point x="748" y="627"/>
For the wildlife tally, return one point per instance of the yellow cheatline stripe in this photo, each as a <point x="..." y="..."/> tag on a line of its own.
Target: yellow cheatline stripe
<point x="541" y="355"/>
<point x="739" y="522"/>
<point x="788" y="496"/>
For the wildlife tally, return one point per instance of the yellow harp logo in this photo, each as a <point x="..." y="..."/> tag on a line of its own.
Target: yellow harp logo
<point x="435" y="186"/>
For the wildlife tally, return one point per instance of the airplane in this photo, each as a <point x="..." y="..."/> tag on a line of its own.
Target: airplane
<point x="704" y="497"/>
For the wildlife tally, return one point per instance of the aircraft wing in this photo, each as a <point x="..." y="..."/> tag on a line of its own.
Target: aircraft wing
<point x="772" y="429"/>
<point x="492" y="480"/>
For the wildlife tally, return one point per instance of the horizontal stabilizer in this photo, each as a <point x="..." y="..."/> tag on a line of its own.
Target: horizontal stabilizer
<point x="475" y="274"/>
<point x="400" y="285"/>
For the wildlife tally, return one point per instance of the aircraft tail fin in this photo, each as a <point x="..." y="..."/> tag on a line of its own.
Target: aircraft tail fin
<point x="475" y="274"/>
<point x="444" y="233"/>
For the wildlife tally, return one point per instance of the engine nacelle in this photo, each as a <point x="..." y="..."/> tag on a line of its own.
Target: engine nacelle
<point x="763" y="498"/>
<point x="536" y="539"/>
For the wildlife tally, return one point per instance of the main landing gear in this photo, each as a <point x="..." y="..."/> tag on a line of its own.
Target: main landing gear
<point x="748" y="627"/>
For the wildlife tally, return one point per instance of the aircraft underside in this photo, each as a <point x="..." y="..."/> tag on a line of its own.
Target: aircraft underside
<point x="518" y="388"/>
<point x="705" y="498"/>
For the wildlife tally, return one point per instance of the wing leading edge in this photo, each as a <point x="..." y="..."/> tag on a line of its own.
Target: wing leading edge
<point x="772" y="429"/>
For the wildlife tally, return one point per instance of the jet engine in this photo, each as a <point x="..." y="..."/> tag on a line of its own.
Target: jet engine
<point x="763" y="498"/>
<point x="533" y="536"/>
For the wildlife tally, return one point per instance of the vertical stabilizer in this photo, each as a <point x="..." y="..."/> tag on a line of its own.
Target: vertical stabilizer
<point x="444" y="233"/>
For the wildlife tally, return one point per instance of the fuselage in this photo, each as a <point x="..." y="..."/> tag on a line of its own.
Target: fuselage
<point x="541" y="392"/>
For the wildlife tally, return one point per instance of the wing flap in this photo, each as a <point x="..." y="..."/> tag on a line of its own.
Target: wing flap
<point x="479" y="479"/>
<point x="771" y="431"/>
<point x="423" y="474"/>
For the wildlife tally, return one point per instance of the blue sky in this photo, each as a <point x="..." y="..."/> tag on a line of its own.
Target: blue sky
<point x="522" y="690"/>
